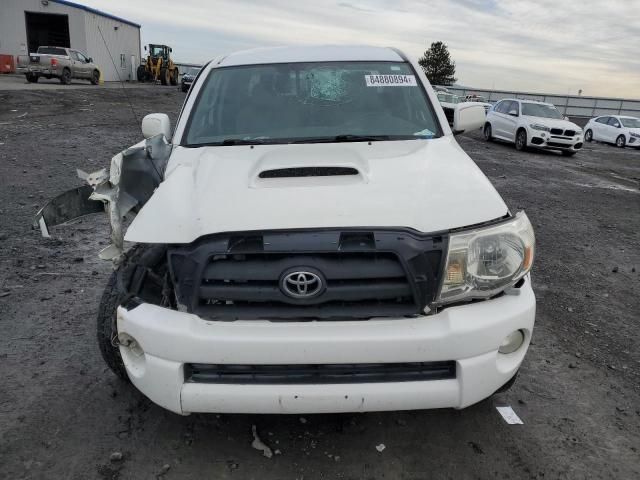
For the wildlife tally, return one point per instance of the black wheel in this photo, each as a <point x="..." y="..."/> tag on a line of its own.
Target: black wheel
<point x="134" y="269"/>
<point x="487" y="132"/>
<point x="174" y="77"/>
<point x="621" y="141"/>
<point x="164" y="76"/>
<point x="107" y="331"/>
<point x="588" y="135"/>
<point x="95" y="77"/>
<point x="65" y="78"/>
<point x="568" y="153"/>
<point x="185" y="88"/>
<point x="31" y="78"/>
<point x="141" y="73"/>
<point x="521" y="140"/>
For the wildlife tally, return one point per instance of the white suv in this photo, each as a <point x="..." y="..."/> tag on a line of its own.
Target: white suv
<point x="621" y="130"/>
<point x="532" y="124"/>
<point x="311" y="238"/>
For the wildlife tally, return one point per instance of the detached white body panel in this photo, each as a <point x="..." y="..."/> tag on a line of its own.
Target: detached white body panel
<point x="470" y="335"/>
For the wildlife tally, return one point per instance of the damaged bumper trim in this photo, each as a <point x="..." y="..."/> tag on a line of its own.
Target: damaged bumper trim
<point x="70" y="205"/>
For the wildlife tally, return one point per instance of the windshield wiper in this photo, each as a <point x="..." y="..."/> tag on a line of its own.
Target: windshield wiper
<point x="360" y="138"/>
<point x="351" y="138"/>
<point x="243" y="141"/>
<point x="329" y="139"/>
<point x="229" y="141"/>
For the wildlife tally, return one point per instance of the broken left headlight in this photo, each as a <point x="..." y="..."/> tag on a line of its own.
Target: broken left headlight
<point x="483" y="262"/>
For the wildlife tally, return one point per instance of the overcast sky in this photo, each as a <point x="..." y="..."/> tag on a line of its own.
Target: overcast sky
<point x="550" y="46"/>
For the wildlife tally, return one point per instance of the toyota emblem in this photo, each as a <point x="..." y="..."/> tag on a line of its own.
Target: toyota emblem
<point x="302" y="284"/>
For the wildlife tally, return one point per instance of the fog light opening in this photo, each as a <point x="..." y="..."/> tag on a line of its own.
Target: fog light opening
<point x="132" y="354"/>
<point x="512" y="342"/>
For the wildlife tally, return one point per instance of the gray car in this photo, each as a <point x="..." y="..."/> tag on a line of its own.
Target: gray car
<point x="58" y="62"/>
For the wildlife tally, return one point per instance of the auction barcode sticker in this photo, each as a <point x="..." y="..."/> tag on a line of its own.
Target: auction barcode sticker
<point x="390" y="80"/>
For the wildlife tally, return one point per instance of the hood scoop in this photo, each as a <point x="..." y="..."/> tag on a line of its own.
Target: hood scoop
<point x="306" y="166"/>
<point x="307" y="172"/>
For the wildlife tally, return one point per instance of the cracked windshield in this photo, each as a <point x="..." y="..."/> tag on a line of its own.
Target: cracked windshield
<point x="311" y="102"/>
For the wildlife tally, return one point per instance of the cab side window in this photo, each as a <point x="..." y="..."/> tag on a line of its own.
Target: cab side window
<point x="614" y="122"/>
<point x="603" y="120"/>
<point x="75" y="55"/>
<point x="81" y="57"/>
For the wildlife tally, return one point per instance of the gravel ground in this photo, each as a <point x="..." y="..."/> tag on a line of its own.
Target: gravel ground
<point x="64" y="415"/>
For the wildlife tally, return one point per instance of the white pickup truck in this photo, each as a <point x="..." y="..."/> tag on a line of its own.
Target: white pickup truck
<point x="58" y="62"/>
<point x="310" y="238"/>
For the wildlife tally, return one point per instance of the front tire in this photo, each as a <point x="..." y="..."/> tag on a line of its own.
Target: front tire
<point x="621" y="142"/>
<point x="488" y="132"/>
<point x="588" y="136"/>
<point x="141" y="73"/>
<point x="521" y="140"/>
<point x="31" y="78"/>
<point x="174" y="77"/>
<point x="107" y="332"/>
<point x="95" y="77"/>
<point x="164" y="76"/>
<point x="136" y="262"/>
<point x="65" y="78"/>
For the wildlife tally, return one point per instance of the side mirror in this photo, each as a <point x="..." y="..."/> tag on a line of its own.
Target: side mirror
<point x="171" y="49"/>
<point x="566" y="118"/>
<point x="89" y="60"/>
<point x="156" y="124"/>
<point x="513" y="113"/>
<point x="468" y="116"/>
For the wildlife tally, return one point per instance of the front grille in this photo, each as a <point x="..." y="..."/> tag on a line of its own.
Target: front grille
<point x="319" y="373"/>
<point x="556" y="131"/>
<point x="363" y="274"/>
<point x="569" y="133"/>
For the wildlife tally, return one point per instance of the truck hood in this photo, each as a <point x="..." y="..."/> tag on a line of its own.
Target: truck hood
<point x="426" y="185"/>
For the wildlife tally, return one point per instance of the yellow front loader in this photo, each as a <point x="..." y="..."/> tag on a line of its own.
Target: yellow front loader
<point x="158" y="66"/>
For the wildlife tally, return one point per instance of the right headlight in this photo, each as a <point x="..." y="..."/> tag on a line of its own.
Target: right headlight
<point x="481" y="263"/>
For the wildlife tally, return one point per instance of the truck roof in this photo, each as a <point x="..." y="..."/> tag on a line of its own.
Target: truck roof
<point x="315" y="53"/>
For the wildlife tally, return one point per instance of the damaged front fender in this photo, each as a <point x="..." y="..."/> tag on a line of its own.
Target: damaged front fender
<point x="133" y="176"/>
